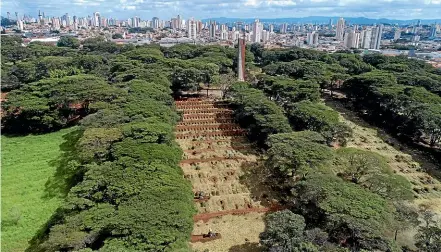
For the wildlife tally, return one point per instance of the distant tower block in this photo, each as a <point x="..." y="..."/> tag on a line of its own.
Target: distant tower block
<point x="241" y="60"/>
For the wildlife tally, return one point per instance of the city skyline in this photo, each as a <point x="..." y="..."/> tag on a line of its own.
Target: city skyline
<point x="203" y="9"/>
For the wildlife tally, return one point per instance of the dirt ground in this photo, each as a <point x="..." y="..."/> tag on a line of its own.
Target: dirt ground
<point x="427" y="189"/>
<point x="216" y="165"/>
<point x="239" y="233"/>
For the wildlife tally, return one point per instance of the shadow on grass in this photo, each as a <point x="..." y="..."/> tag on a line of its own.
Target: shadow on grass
<point x="42" y="233"/>
<point x="68" y="170"/>
<point x="68" y="173"/>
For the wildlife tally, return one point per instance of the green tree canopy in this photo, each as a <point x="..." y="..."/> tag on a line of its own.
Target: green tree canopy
<point x="68" y="41"/>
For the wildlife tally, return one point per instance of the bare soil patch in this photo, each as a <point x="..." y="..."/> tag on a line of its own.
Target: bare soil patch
<point x="216" y="158"/>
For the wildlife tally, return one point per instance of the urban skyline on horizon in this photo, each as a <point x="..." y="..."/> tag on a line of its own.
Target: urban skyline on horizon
<point x="240" y="9"/>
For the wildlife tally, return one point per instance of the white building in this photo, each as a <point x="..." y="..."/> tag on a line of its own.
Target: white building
<point x="236" y="35"/>
<point x="257" y="31"/>
<point x="351" y="39"/>
<point x="397" y="34"/>
<point x="192" y="29"/>
<point x="96" y="19"/>
<point x="365" y="38"/>
<point x="265" y="36"/>
<point x="312" y="38"/>
<point x="377" y="32"/>
<point x="213" y="30"/>
<point x="20" y="25"/>
<point x="340" y="29"/>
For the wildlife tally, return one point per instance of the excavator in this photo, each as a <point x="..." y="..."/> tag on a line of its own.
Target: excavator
<point x="200" y="196"/>
<point x="210" y="236"/>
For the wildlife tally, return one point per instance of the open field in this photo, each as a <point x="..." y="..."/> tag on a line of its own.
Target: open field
<point x="27" y="164"/>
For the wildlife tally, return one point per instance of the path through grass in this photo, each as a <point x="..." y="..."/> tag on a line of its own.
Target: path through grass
<point x="25" y="170"/>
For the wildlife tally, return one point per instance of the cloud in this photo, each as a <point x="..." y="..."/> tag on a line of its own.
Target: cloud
<point x="165" y="9"/>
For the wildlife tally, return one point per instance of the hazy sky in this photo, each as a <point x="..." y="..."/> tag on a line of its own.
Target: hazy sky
<point x="146" y="9"/>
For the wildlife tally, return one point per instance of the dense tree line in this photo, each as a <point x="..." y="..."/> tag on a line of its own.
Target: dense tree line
<point x="261" y="116"/>
<point x="125" y="190"/>
<point x="407" y="110"/>
<point x="397" y="92"/>
<point x="344" y="198"/>
<point x="336" y="199"/>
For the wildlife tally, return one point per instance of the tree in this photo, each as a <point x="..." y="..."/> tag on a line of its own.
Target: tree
<point x="427" y="121"/>
<point x="352" y="216"/>
<point x="283" y="231"/>
<point x="291" y="152"/>
<point x="372" y="172"/>
<point x="68" y="41"/>
<point x="306" y="115"/>
<point x="117" y="36"/>
<point x="286" y="91"/>
<point x="428" y="238"/>
<point x="257" y="49"/>
<point x="186" y="79"/>
<point x="50" y="104"/>
<point x="406" y="216"/>
<point x="255" y="112"/>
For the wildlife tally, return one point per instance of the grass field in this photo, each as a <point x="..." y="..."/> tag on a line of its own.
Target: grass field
<point x="26" y="167"/>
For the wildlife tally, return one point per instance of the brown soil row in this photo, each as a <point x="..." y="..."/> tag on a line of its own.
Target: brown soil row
<point x="207" y="216"/>
<point x="197" y="151"/>
<point x="225" y="126"/>
<point x="205" y="122"/>
<point x="208" y="111"/>
<point x="238" y="132"/>
<point x="193" y="103"/>
<point x="190" y="161"/>
<point x="201" y="107"/>
<point x="208" y="116"/>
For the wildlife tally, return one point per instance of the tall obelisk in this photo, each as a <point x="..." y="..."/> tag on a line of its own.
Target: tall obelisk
<point x="241" y="60"/>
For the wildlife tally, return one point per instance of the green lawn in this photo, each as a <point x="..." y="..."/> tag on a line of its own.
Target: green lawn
<point x="25" y="170"/>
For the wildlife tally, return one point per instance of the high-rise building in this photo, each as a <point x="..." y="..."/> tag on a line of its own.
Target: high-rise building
<point x="192" y="29"/>
<point x="213" y="29"/>
<point x="20" y="25"/>
<point x="179" y="22"/>
<point x="397" y="34"/>
<point x="377" y="33"/>
<point x="284" y="28"/>
<point x="271" y="28"/>
<point x="416" y="38"/>
<point x="155" y="23"/>
<point x="312" y="38"/>
<point x="40" y="18"/>
<point x="265" y="36"/>
<point x="135" y="21"/>
<point x="75" y="23"/>
<point x="96" y="21"/>
<point x="365" y="38"/>
<point x="56" y="23"/>
<point x="433" y="31"/>
<point x="330" y="24"/>
<point x="352" y="39"/>
<point x="340" y="29"/>
<point x="257" y="31"/>
<point x="224" y="32"/>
